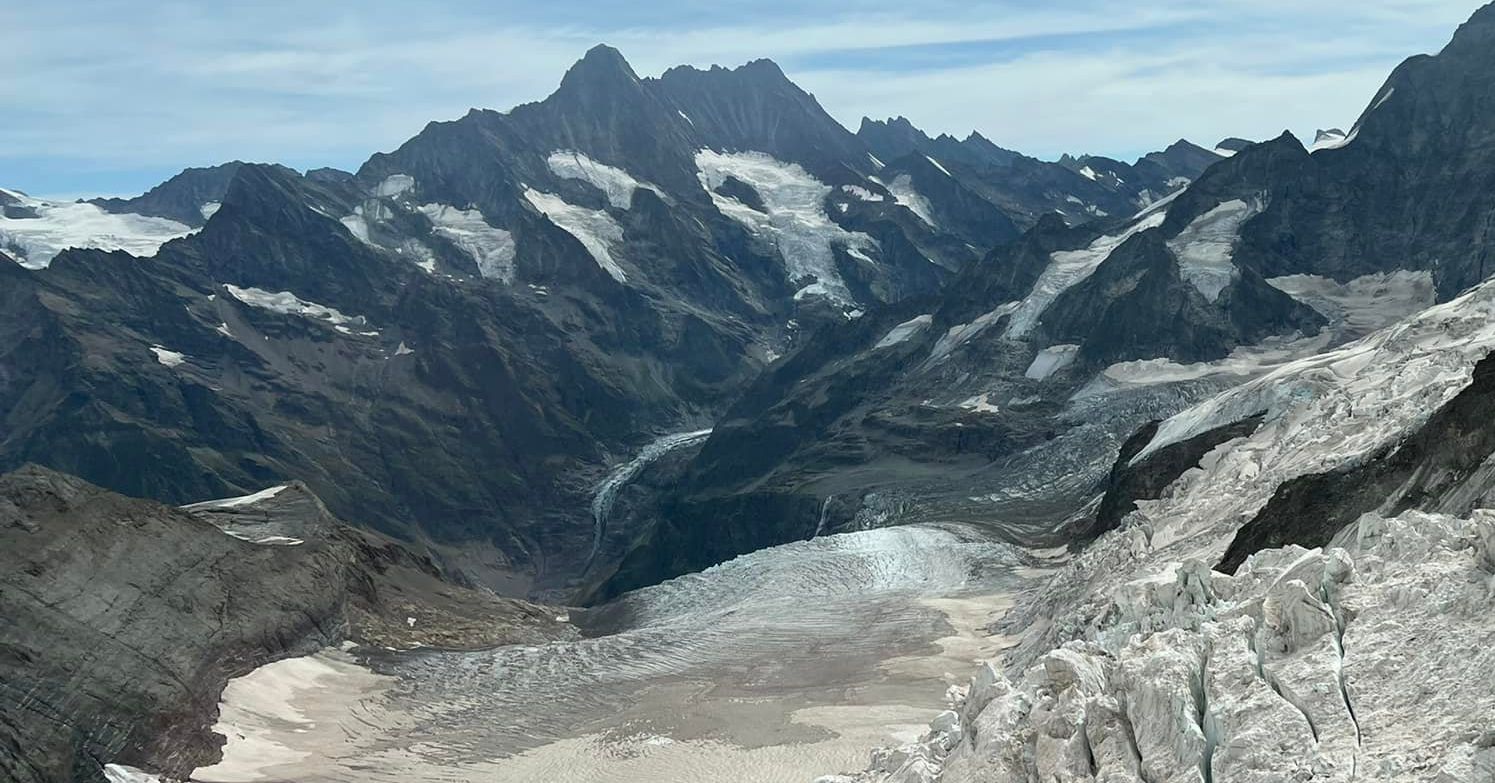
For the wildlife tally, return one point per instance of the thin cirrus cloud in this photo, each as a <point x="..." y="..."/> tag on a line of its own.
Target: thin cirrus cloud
<point x="113" y="96"/>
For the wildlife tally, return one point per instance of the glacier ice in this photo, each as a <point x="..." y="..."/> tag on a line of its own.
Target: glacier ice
<point x="616" y="183"/>
<point x="35" y="241"/>
<point x="1205" y="247"/>
<point x="595" y="229"/>
<point x="1368" y="659"/>
<point x="492" y="249"/>
<point x="794" y="220"/>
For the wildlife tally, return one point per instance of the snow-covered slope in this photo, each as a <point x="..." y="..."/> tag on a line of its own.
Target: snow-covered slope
<point x="1367" y="661"/>
<point x="1137" y="662"/>
<point x="35" y="230"/>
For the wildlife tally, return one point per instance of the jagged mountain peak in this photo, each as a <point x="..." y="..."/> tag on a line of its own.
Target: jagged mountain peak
<point x="182" y="197"/>
<point x="601" y="65"/>
<point x="1479" y="30"/>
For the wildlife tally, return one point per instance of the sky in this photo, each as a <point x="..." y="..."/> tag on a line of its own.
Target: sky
<point x="108" y="97"/>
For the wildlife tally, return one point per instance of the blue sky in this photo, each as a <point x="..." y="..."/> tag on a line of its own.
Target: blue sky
<point x="112" y="96"/>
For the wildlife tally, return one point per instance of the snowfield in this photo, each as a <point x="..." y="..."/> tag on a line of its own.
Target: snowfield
<point x="492" y="249"/>
<point x="287" y="303"/>
<point x="1205" y="247"/>
<point x="794" y="220"/>
<point x="595" y="229"/>
<point x="35" y="241"/>
<point x="618" y="184"/>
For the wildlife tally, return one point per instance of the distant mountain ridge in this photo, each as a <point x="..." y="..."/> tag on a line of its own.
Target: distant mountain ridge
<point x="453" y="343"/>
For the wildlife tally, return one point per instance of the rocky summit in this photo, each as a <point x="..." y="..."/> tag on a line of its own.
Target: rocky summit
<point x="668" y="429"/>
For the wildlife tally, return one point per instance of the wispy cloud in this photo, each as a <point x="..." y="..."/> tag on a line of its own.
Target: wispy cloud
<point x="114" y="95"/>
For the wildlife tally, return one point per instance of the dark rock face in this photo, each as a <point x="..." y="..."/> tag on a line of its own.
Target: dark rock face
<point x="1233" y="144"/>
<point x="1137" y="306"/>
<point x="1147" y="478"/>
<point x="124" y="618"/>
<point x="1444" y="467"/>
<point x="180" y="198"/>
<point x="1409" y="191"/>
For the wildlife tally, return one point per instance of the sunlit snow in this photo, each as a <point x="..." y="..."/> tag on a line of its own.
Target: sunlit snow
<point x="1051" y="360"/>
<point x="794" y="218"/>
<point x="618" y="184"/>
<point x="241" y="500"/>
<point x="904" y="331"/>
<point x="34" y="242"/>
<point x="902" y="188"/>
<point x="395" y="184"/>
<point x="492" y="249"/>
<point x="1068" y="268"/>
<point x="595" y="229"/>
<point x="287" y="303"/>
<point x="1206" y="247"/>
<point x="168" y="357"/>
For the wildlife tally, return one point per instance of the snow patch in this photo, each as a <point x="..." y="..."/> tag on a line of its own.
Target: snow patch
<point x="287" y="303"/>
<point x="1068" y="268"/>
<point x="595" y="229"/>
<point x="241" y="500"/>
<point x="861" y="193"/>
<point x="492" y="249"/>
<point x="120" y="773"/>
<point x="904" y="331"/>
<point x="208" y="210"/>
<point x="1088" y="173"/>
<point x="1206" y="247"/>
<point x="981" y="403"/>
<point x="959" y="334"/>
<point x="902" y="188"/>
<point x="794" y="217"/>
<point x="167" y="357"/>
<point x="394" y="185"/>
<point x="940" y="166"/>
<point x="618" y="184"/>
<point x="1051" y="360"/>
<point x="1386" y="97"/>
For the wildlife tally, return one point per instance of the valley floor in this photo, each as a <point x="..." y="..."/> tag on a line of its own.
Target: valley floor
<point x="782" y="665"/>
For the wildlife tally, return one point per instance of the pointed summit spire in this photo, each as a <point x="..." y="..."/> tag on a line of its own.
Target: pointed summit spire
<point x="601" y="67"/>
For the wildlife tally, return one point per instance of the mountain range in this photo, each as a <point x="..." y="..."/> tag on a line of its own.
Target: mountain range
<point x="453" y="344"/>
<point x="649" y="325"/>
